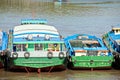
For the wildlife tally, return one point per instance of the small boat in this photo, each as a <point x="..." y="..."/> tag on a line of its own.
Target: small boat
<point x="87" y="52"/>
<point x="3" y="47"/>
<point x="36" y="45"/>
<point x="112" y="41"/>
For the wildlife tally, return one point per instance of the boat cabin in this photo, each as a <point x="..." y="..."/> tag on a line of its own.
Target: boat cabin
<point x="116" y="30"/>
<point x="35" y="38"/>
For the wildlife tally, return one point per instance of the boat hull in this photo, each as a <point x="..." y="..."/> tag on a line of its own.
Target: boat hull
<point x="30" y="69"/>
<point x="91" y="62"/>
<point x="116" y="63"/>
<point x="34" y="63"/>
<point x="37" y="62"/>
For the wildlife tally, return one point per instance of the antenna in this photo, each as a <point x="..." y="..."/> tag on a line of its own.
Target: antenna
<point x="33" y="14"/>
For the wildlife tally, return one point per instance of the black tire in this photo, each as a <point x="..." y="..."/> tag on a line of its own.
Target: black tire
<point x="49" y="55"/>
<point x="61" y="55"/>
<point x="15" y="55"/>
<point x="26" y="55"/>
<point x="69" y="59"/>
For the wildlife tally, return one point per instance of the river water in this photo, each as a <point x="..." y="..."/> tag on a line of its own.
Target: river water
<point x="64" y="75"/>
<point x="70" y="17"/>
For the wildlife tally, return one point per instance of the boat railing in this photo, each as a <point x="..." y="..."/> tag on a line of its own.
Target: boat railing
<point x="33" y="21"/>
<point x="69" y="47"/>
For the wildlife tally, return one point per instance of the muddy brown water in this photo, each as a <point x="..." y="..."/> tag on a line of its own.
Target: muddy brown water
<point x="62" y="75"/>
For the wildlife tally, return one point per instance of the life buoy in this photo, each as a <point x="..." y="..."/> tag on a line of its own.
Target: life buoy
<point x="61" y="55"/>
<point x="26" y="55"/>
<point x="49" y="55"/>
<point x="30" y="37"/>
<point x="15" y="55"/>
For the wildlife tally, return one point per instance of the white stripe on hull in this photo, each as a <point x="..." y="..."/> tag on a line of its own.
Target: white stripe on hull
<point x="40" y="53"/>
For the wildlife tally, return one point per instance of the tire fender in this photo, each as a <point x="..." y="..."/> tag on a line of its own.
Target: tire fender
<point x="26" y="55"/>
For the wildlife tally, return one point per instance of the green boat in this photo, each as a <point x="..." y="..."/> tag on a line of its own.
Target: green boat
<point x="36" y="45"/>
<point x="87" y="52"/>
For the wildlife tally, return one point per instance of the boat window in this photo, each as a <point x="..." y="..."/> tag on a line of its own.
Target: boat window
<point x="50" y="46"/>
<point x="24" y="47"/>
<point x="45" y="47"/>
<point x="84" y="43"/>
<point x="92" y="45"/>
<point x="30" y="47"/>
<point x="113" y="30"/>
<point x="116" y="31"/>
<point x="14" y="48"/>
<point x="54" y="47"/>
<point x="76" y="43"/>
<point x="18" y="47"/>
<point x="62" y="47"/>
<point x="38" y="46"/>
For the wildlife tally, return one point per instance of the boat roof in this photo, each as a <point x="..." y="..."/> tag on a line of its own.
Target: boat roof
<point x="35" y="29"/>
<point x="32" y="27"/>
<point x="38" y="32"/>
<point x="114" y="34"/>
